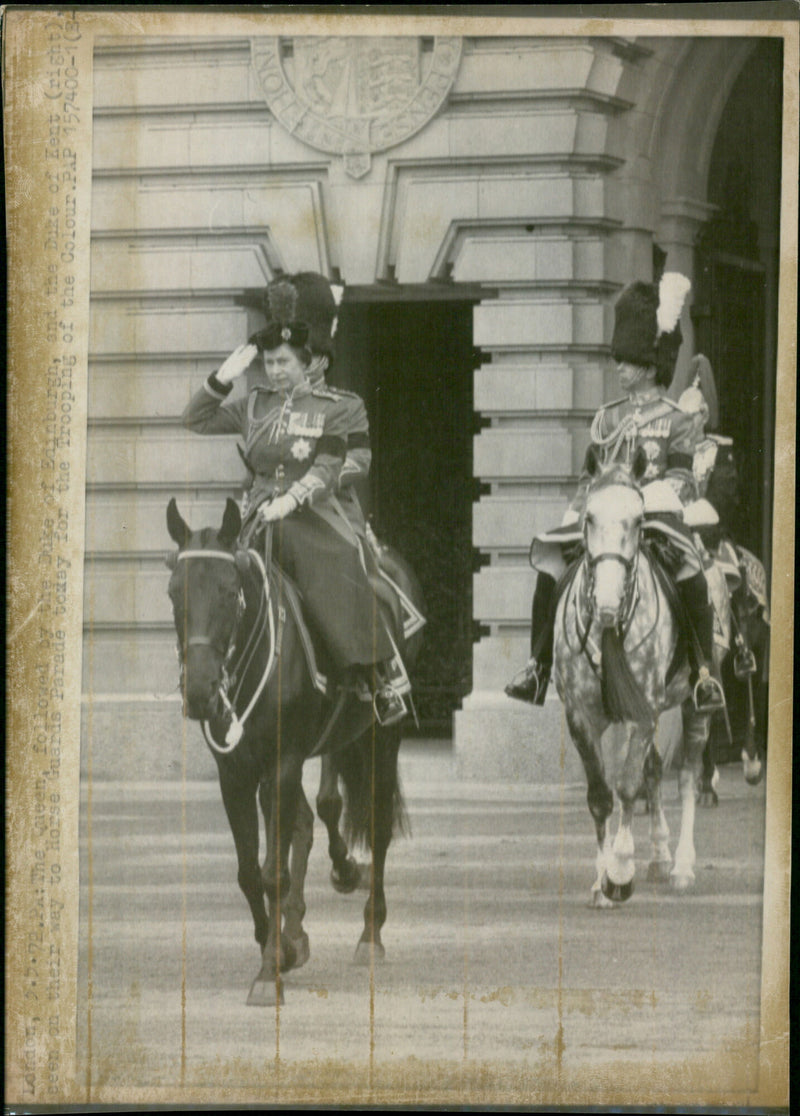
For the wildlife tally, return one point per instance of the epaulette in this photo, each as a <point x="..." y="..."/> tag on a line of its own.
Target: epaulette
<point x="348" y="394"/>
<point x="326" y="393"/>
<point x="614" y="403"/>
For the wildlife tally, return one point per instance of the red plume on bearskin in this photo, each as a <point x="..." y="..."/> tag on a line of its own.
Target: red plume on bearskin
<point x="282" y="298"/>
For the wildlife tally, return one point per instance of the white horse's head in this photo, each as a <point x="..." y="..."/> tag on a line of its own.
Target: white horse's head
<point x="612" y="521"/>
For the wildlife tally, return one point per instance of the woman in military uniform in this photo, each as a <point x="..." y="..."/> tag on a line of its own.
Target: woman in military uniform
<point x="295" y="437"/>
<point x="645" y="346"/>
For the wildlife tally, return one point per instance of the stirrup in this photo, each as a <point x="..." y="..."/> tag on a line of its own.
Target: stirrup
<point x="530" y="683"/>
<point x="714" y="698"/>
<point x="389" y="706"/>
<point x="744" y="663"/>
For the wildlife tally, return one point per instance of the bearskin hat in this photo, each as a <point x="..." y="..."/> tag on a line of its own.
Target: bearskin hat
<point x="305" y="299"/>
<point x="647" y="328"/>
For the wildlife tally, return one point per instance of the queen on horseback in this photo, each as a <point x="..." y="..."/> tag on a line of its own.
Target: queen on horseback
<point x="645" y="344"/>
<point x="296" y="439"/>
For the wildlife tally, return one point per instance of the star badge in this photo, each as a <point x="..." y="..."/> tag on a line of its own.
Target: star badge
<point x="301" y="449"/>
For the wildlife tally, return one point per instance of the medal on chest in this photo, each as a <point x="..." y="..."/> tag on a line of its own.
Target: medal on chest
<point x="306" y="424"/>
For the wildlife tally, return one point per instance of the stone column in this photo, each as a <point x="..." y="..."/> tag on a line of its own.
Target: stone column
<point x="680" y="221"/>
<point x="542" y="381"/>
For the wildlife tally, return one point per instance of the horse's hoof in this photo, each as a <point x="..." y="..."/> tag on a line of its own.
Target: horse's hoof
<point x="288" y="954"/>
<point x="599" y="902"/>
<point x="302" y="950"/>
<point x="682" y="883"/>
<point x="618" y="893"/>
<point x="658" y="871"/>
<point x="367" y="952"/>
<point x="348" y="879"/>
<point x="265" y="993"/>
<point x="708" y="798"/>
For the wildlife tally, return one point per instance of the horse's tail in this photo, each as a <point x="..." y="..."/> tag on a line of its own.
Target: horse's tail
<point x="623" y="699"/>
<point x="373" y="797"/>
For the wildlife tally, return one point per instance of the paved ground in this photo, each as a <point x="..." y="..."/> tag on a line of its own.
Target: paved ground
<point x="500" y="984"/>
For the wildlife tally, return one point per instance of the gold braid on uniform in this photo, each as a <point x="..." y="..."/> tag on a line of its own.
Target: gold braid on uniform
<point x="625" y="429"/>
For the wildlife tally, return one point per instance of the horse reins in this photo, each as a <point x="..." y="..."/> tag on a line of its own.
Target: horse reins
<point x="240" y="668"/>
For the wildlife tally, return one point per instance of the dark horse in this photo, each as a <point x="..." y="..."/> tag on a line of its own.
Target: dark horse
<point x="244" y="676"/>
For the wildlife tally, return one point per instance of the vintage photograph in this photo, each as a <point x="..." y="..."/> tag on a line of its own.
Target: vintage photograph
<point x="401" y="475"/>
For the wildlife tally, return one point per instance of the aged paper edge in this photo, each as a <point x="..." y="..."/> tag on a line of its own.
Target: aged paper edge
<point x="48" y="352"/>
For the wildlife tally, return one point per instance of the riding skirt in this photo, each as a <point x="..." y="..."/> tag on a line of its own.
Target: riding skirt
<point x="340" y="603"/>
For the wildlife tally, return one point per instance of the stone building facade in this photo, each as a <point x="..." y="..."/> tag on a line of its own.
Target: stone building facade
<point x="528" y="179"/>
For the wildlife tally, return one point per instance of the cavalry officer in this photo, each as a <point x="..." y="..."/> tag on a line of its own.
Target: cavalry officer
<point x="295" y="443"/>
<point x="645" y="346"/>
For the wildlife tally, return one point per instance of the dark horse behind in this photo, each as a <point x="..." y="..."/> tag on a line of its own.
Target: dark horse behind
<point x="245" y="677"/>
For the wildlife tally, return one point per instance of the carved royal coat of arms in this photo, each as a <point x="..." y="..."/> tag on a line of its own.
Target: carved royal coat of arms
<point x="351" y="95"/>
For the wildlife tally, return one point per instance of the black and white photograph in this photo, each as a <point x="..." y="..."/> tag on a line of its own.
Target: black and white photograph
<point x="401" y="583"/>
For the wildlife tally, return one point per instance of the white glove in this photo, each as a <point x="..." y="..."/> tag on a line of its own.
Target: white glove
<point x="700" y="513"/>
<point x="237" y="363"/>
<point x="660" y="496"/>
<point x="278" y="508"/>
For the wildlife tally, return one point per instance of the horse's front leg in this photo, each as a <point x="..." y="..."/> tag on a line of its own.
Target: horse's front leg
<point x="599" y="799"/>
<point x="630" y="765"/>
<point x="345" y="872"/>
<point x="661" y="862"/>
<point x="695" y="736"/>
<point x="294" y="909"/>
<point x="279" y="953"/>
<point x="239" y="800"/>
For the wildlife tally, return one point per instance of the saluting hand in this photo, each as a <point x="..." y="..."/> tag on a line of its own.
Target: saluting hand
<point x="278" y="508"/>
<point x="240" y="359"/>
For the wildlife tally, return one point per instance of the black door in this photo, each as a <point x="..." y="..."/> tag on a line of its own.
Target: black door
<point x="412" y="362"/>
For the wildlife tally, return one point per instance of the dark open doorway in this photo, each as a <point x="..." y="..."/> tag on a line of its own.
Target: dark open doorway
<point x="412" y="362"/>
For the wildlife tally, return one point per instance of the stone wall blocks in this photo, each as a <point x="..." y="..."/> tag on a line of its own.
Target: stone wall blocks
<point x="129" y="329"/>
<point x="111" y="660"/>
<point x="515" y="388"/>
<point x="541" y="323"/>
<point x="506" y="454"/>
<point x="502" y="593"/>
<point x="128" y="522"/>
<point x="509" y="523"/>
<point x="124" y="459"/>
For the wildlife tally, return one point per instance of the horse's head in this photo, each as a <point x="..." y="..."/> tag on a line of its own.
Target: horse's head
<point x="205" y="590"/>
<point x="612" y="520"/>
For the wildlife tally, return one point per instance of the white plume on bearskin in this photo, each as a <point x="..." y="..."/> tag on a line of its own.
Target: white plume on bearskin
<point x="337" y="290"/>
<point x="672" y="292"/>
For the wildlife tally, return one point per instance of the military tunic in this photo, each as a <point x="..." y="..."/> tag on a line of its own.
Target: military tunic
<point x="656" y="425"/>
<point x="668" y="436"/>
<point x="296" y="444"/>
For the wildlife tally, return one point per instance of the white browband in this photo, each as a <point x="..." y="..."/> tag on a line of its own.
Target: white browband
<point x="206" y="554"/>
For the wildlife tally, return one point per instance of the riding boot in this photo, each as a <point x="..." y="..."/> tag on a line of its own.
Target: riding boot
<point x="530" y="684"/>
<point x="708" y="694"/>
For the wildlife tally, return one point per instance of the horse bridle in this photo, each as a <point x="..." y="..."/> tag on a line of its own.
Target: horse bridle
<point x="629" y="565"/>
<point x="207" y="641"/>
<point x="236" y="728"/>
